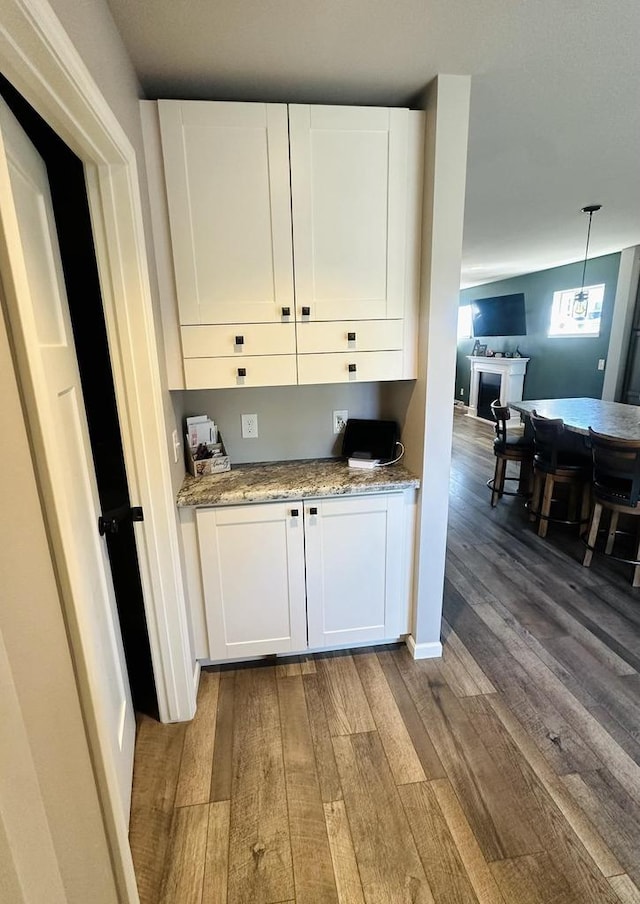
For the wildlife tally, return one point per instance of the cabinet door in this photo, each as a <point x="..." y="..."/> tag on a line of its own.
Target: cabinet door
<point x="349" y="188"/>
<point x="227" y="177"/>
<point x="252" y="559"/>
<point x="354" y="556"/>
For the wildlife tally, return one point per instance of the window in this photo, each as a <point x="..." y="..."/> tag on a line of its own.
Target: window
<point x="464" y="322"/>
<point x="571" y="316"/>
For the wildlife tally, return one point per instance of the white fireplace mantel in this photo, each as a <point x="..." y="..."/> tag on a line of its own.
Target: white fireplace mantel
<point x="511" y="370"/>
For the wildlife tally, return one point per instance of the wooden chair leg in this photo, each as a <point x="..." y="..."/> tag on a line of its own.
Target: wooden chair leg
<point x="593" y="533"/>
<point x="572" y="513"/>
<point x="535" y="497"/>
<point x="611" y="536"/>
<point x="498" y="481"/>
<point x="546" y="505"/>
<point x="525" y="483"/>
<point x="585" y="508"/>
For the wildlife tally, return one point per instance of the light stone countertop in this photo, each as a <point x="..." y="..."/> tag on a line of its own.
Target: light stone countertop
<point x="612" y="418"/>
<point x="270" y="481"/>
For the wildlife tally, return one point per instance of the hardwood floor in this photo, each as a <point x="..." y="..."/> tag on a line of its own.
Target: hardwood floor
<point x="506" y="773"/>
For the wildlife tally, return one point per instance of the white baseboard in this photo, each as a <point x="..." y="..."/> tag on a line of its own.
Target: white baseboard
<point x="424" y="650"/>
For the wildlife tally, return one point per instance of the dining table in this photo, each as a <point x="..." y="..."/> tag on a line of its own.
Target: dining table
<point x="611" y="418"/>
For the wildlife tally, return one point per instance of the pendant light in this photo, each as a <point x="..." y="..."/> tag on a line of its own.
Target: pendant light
<point x="581" y="299"/>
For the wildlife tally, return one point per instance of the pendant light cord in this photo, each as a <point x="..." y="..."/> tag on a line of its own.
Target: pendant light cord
<point x="590" y="209"/>
<point x="586" y="251"/>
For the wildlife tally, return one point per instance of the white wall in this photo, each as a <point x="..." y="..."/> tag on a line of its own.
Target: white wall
<point x="428" y="422"/>
<point x="623" y="310"/>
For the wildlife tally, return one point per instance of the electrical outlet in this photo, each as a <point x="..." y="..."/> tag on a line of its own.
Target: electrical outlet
<point x="176" y="445"/>
<point x="249" y="426"/>
<point x="462" y="392"/>
<point x="601" y="363"/>
<point x="340" y="421"/>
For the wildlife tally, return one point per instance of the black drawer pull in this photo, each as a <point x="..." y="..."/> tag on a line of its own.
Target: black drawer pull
<point x="239" y="340"/>
<point x="352" y="368"/>
<point x="313" y="510"/>
<point x="351" y="337"/>
<point x="294" y="513"/>
<point x="286" y="312"/>
<point x="306" y="311"/>
<point x="242" y="371"/>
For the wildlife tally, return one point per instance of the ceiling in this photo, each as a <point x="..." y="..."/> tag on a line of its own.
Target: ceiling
<point x="555" y="97"/>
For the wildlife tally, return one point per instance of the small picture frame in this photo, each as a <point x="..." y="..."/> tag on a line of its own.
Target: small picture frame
<point x="481" y="351"/>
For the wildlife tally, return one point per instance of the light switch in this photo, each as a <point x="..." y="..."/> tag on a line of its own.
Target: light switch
<point x="601" y="363"/>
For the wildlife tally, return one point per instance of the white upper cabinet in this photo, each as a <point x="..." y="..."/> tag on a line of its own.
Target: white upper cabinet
<point x="301" y="221"/>
<point x="349" y="196"/>
<point x="227" y="176"/>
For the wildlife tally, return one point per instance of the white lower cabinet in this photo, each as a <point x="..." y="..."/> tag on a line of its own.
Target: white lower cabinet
<point x="354" y="569"/>
<point x="254" y="559"/>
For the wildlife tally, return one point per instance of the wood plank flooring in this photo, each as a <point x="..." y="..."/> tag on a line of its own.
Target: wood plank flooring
<point x="508" y="772"/>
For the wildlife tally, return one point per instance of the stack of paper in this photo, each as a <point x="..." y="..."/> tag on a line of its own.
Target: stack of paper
<point x="201" y="430"/>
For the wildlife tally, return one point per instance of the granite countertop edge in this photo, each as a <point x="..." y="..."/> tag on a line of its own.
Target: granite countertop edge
<point x="307" y="478"/>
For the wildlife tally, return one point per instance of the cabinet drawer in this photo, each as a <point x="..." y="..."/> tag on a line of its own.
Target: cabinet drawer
<point x="219" y="373"/>
<point x="333" y="336"/>
<point x="334" y="368"/>
<point x="238" y="339"/>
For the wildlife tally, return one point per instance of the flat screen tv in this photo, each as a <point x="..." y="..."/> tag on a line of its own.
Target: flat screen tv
<point x="500" y="315"/>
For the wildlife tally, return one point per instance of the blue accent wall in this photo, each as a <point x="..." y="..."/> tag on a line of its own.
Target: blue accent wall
<point x="561" y="367"/>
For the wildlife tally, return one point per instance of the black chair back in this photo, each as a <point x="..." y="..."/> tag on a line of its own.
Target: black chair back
<point x="547" y="436"/>
<point x="501" y="415"/>
<point x="616" y="468"/>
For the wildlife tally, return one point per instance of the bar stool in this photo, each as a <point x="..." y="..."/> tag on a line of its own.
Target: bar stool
<point x="508" y="448"/>
<point x="616" y="487"/>
<point x="553" y="464"/>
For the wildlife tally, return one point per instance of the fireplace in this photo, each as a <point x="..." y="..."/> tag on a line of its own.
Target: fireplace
<point x="495" y="378"/>
<point x="488" y="392"/>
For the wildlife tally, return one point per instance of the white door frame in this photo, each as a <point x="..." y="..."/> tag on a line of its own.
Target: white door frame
<point x="42" y="63"/>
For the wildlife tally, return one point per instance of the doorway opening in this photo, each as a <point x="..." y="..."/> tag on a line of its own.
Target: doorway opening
<point x="71" y="210"/>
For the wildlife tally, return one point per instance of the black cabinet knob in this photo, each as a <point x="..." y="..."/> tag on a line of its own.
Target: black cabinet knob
<point x="313" y="510"/>
<point x="351" y="337"/>
<point x="352" y="368"/>
<point x="286" y="312"/>
<point x="306" y="311"/>
<point x="294" y="513"/>
<point x="242" y="371"/>
<point x="239" y="340"/>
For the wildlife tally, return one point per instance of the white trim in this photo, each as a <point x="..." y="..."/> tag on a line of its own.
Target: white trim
<point x="117" y="227"/>
<point x="196" y="677"/>
<point x="431" y="650"/>
<point x="42" y="63"/>
<point x="44" y="66"/>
